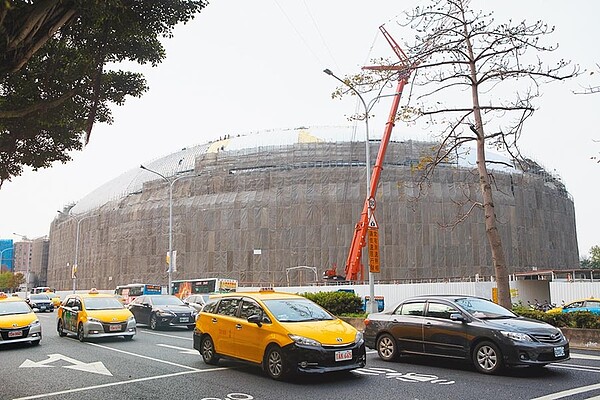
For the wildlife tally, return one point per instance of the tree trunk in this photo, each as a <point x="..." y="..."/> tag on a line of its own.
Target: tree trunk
<point x="491" y="229"/>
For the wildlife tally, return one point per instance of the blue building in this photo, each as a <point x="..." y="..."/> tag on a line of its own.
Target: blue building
<point x="6" y="255"/>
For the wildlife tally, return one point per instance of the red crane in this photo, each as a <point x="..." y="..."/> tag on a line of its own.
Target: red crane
<point x="354" y="266"/>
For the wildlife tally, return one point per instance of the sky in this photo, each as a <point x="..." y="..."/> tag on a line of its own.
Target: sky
<point x="243" y="66"/>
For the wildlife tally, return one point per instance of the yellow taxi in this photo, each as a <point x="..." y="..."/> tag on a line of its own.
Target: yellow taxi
<point x="94" y="315"/>
<point x="282" y="332"/>
<point x="55" y="298"/>
<point x="18" y="322"/>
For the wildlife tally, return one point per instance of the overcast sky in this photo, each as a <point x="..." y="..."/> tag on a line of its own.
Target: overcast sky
<point x="244" y="66"/>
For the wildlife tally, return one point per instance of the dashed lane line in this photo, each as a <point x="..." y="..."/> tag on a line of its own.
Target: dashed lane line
<point x="165" y="335"/>
<point x="570" y="392"/>
<point x="143" y="356"/>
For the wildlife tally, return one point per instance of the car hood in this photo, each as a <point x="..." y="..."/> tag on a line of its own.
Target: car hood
<point x="110" y="316"/>
<point x="521" y="324"/>
<point x="330" y="332"/>
<point x="175" y="308"/>
<point x="40" y="301"/>
<point x="12" y="321"/>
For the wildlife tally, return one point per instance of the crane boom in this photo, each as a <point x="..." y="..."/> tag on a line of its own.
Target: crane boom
<point x="354" y="268"/>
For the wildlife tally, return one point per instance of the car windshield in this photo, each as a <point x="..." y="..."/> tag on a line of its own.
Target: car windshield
<point x="296" y="310"/>
<point x="14" y="307"/>
<point x="167" y="301"/>
<point x="39" y="297"/>
<point x="484" y="309"/>
<point x="102" y="303"/>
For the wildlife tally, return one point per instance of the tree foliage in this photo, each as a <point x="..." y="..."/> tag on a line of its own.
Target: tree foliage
<point x="10" y="282"/>
<point x="475" y="81"/>
<point x="59" y="70"/>
<point x="594" y="260"/>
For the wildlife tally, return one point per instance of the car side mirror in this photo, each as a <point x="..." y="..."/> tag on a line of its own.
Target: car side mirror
<point x="255" y="319"/>
<point x="457" y="317"/>
<point x="146" y="305"/>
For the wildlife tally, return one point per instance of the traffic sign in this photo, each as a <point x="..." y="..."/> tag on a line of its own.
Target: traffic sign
<point x="371" y="202"/>
<point x="373" y="251"/>
<point x="372" y="222"/>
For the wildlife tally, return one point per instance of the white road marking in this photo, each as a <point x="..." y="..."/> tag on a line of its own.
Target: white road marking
<point x="149" y="378"/>
<point x="584" y="356"/>
<point x="570" y="392"/>
<point x="94" y="367"/>
<point x="182" y="350"/>
<point x="143" y="356"/>
<point x="587" y="368"/>
<point x="165" y="335"/>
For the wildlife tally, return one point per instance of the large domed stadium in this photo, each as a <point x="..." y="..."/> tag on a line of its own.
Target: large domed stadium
<point x="251" y="207"/>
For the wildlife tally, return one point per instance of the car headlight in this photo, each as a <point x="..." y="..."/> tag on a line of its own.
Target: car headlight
<point x="304" y="341"/>
<point x="164" y="313"/>
<point x="94" y="320"/>
<point x="359" y="337"/>
<point x="35" y="323"/>
<point x="522" y="337"/>
<point x="132" y="318"/>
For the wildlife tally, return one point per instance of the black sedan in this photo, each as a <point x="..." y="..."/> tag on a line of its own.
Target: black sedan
<point x="40" y="302"/>
<point x="464" y="327"/>
<point x="162" y="310"/>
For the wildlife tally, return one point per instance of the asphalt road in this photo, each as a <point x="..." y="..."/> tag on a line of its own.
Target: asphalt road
<point x="163" y="365"/>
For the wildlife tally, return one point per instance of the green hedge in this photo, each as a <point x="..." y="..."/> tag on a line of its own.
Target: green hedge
<point x="337" y="303"/>
<point x="578" y="319"/>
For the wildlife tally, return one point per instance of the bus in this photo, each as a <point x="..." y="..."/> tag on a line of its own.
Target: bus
<point x="185" y="287"/>
<point x="126" y="293"/>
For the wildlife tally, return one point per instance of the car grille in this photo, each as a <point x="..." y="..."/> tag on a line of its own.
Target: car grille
<point x="4" y="333"/>
<point x="339" y="347"/>
<point x="553" y="338"/>
<point x="107" y="329"/>
<point x="184" y="314"/>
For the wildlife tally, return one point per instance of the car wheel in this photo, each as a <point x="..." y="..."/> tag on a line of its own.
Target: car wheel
<point x="207" y="349"/>
<point x="153" y="322"/>
<point x="487" y="358"/>
<point x="61" y="329"/>
<point x="191" y="327"/>
<point x="80" y="333"/>
<point x="387" y="348"/>
<point x="274" y="363"/>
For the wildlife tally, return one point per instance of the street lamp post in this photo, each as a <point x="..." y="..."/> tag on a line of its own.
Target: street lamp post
<point x="74" y="268"/>
<point x="371" y="305"/>
<point x="170" y="182"/>
<point x="2" y="255"/>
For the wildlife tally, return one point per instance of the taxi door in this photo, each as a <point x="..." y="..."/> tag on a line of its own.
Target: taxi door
<point x="70" y="314"/>
<point x="249" y="337"/>
<point x="223" y="324"/>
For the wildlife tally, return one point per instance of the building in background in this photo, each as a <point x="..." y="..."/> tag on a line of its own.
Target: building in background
<point x="6" y="255"/>
<point x="31" y="259"/>
<point x="252" y="207"/>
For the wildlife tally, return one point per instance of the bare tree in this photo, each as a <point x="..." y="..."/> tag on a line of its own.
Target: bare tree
<point x="476" y="82"/>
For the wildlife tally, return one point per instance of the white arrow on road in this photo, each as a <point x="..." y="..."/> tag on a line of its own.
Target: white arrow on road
<point x="183" y="350"/>
<point x="93" y="367"/>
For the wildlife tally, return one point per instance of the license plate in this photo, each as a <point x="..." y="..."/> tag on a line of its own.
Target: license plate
<point x="115" y="327"/>
<point x="12" y="334"/>
<point x="184" y="319"/>
<point x="559" y="351"/>
<point x="343" y="355"/>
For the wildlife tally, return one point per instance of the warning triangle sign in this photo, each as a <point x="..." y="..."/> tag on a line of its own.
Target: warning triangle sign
<point x="372" y="222"/>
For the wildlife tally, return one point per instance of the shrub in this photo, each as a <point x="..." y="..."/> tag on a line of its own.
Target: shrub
<point x="579" y="319"/>
<point x="337" y="303"/>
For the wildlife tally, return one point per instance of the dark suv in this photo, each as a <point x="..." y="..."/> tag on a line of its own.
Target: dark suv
<point x="40" y="302"/>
